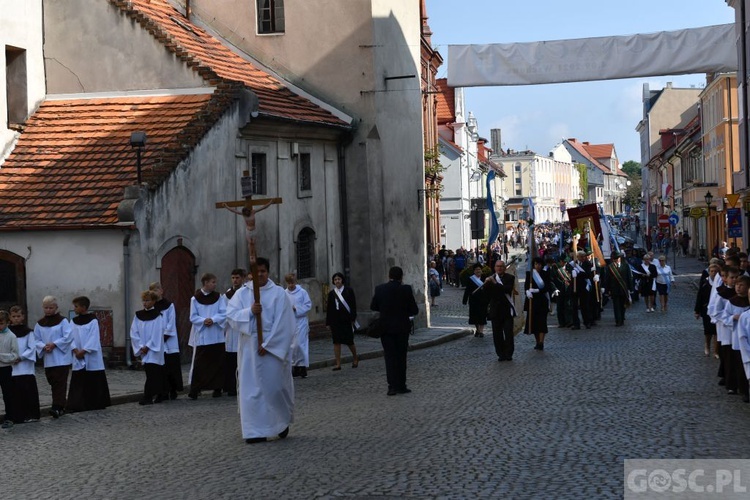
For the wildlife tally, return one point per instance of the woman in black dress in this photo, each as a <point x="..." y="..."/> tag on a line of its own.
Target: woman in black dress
<point x="537" y="303"/>
<point x="701" y="306"/>
<point x="475" y="296"/>
<point x="341" y="315"/>
<point x="646" y="287"/>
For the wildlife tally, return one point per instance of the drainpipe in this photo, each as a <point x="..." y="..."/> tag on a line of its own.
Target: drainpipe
<point x="344" y="212"/>
<point x="126" y="291"/>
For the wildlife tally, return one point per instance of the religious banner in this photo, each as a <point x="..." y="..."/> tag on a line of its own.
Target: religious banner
<point x="580" y="216"/>
<point x="734" y="222"/>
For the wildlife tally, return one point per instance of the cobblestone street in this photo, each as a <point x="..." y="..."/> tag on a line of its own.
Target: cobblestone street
<point x="551" y="424"/>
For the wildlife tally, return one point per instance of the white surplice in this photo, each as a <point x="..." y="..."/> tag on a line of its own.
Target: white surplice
<point x="743" y="335"/>
<point x="61" y="335"/>
<point x="302" y="305"/>
<point x="89" y="337"/>
<point x="266" y="390"/>
<point x="149" y="333"/>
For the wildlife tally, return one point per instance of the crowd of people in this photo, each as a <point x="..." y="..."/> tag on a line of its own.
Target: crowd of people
<point x="563" y="280"/>
<point x="722" y="305"/>
<point x="243" y="344"/>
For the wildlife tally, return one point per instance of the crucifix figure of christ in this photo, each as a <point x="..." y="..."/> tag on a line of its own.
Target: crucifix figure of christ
<point x="248" y="214"/>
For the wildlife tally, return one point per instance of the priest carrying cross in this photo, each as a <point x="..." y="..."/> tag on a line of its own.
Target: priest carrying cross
<point x="248" y="214"/>
<point x="266" y="390"/>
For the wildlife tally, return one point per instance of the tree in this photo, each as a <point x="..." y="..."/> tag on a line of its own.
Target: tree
<point x="633" y="194"/>
<point x="583" y="179"/>
<point x="632" y="168"/>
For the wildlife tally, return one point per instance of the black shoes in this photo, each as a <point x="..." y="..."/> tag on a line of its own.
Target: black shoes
<point x="405" y="390"/>
<point x="173" y="395"/>
<point x="143" y="402"/>
<point x="56" y="413"/>
<point x="193" y="395"/>
<point x="282" y="435"/>
<point x="216" y="393"/>
<point x="392" y="392"/>
<point x="159" y="399"/>
<point x="539" y="346"/>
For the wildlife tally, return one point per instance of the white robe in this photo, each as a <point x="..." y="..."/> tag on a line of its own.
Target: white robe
<point x="727" y="319"/>
<point x="171" y="342"/>
<point x="27" y="353"/>
<point x="302" y="305"/>
<point x="723" y="332"/>
<point x="87" y="337"/>
<point x="149" y="334"/>
<point x="743" y="333"/>
<point x="266" y="390"/>
<point x="201" y="334"/>
<point x="61" y="335"/>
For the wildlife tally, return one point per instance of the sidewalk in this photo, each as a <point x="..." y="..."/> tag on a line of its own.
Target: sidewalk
<point x="126" y="386"/>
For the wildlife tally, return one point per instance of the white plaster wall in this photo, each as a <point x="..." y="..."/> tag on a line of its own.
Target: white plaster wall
<point x="342" y="52"/>
<point x="67" y="264"/>
<point x="104" y="50"/>
<point x="454" y="201"/>
<point x="184" y="207"/>
<point x="21" y="27"/>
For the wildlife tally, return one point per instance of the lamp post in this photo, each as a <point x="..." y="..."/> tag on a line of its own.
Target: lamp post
<point x="709" y="198"/>
<point x="138" y="141"/>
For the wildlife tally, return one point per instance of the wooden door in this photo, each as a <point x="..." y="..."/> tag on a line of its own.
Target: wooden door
<point x="178" y="281"/>
<point x="13" y="284"/>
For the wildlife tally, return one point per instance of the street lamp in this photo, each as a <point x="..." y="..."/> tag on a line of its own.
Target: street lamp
<point x="138" y="141"/>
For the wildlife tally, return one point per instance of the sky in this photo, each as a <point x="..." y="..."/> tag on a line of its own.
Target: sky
<point x="538" y="117"/>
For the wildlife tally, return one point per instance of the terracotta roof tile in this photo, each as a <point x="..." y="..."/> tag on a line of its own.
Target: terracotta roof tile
<point x="73" y="160"/>
<point x="581" y="148"/>
<point x="446" y="102"/>
<point x="214" y="61"/>
<point x="600" y="150"/>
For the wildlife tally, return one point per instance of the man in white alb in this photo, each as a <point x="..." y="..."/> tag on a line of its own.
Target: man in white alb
<point x="266" y="390"/>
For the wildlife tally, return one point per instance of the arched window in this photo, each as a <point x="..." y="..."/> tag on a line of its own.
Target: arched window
<point x="306" y="253"/>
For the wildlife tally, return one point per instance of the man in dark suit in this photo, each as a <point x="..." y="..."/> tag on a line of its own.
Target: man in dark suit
<point x="499" y="287"/>
<point x="396" y="305"/>
<point x="618" y="284"/>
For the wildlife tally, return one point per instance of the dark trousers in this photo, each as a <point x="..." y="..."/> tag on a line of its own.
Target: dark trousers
<point x="739" y="371"/>
<point x="6" y="386"/>
<point x="395" y="347"/>
<point x="725" y="352"/>
<point x="502" y="336"/>
<point x="586" y="311"/>
<point x="618" y="305"/>
<point x="57" y="376"/>
<point x="154" y="385"/>
<point x="173" y="373"/>
<point x="563" y="310"/>
<point x="77" y="392"/>
<point x="230" y="373"/>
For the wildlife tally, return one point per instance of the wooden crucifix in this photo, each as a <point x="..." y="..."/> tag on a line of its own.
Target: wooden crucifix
<point x="248" y="214"/>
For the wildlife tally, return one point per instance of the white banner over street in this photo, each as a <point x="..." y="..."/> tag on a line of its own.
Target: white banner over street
<point x="696" y="50"/>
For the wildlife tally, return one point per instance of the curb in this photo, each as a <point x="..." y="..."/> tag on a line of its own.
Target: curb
<point x="462" y="332"/>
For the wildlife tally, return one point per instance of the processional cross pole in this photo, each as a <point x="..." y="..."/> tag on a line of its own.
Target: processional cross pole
<point x="248" y="212"/>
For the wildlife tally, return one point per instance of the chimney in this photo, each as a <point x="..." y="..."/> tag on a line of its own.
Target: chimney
<point x="187" y="10"/>
<point x="496" y="142"/>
